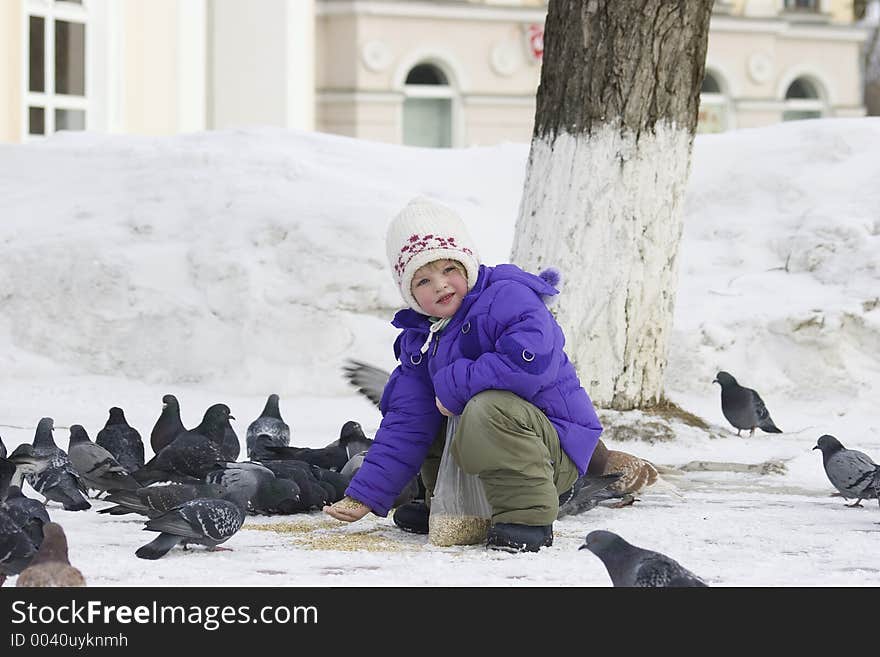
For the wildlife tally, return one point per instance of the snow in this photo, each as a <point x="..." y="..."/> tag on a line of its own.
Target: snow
<point x="225" y="266"/>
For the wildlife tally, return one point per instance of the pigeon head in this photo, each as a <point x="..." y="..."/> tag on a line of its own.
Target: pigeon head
<point x="169" y="400"/>
<point x="117" y="416"/>
<point x="78" y="434"/>
<point x="281" y="495"/>
<point x="352" y="438"/>
<point x="271" y="408"/>
<point x="828" y="445"/>
<point x="601" y="542"/>
<point x="724" y="379"/>
<point x="7" y="471"/>
<point x="43" y="436"/>
<point x="54" y="545"/>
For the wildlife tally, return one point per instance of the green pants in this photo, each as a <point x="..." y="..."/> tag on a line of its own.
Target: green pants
<point x="514" y="449"/>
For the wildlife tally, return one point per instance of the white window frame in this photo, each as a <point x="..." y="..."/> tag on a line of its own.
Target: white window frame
<point x="50" y="11"/>
<point x="447" y="65"/>
<point x="817" y="104"/>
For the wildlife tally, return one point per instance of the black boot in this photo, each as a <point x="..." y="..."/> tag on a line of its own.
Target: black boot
<point x="519" y="538"/>
<point x="412" y="517"/>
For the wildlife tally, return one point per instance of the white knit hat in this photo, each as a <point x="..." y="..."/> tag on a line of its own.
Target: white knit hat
<point x="422" y="232"/>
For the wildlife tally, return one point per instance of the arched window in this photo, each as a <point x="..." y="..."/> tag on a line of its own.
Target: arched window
<point x="802" y="101"/>
<point x="714" y="104"/>
<point x="427" y="107"/>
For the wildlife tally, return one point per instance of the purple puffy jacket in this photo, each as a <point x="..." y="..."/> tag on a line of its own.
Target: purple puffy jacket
<point x="502" y="338"/>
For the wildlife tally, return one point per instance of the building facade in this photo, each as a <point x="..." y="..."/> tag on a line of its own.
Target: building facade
<point x="422" y="72"/>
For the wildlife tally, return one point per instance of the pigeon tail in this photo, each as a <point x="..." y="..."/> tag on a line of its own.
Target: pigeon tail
<point x="158" y="547"/>
<point x="769" y="427"/>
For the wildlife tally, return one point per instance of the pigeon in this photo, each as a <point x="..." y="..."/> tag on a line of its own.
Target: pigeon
<point x="313" y="495"/>
<point x="202" y="521"/>
<point x="25" y="462"/>
<point x="743" y="407"/>
<point x="122" y="441"/>
<point x="851" y="472"/>
<point x="2" y="449"/>
<point x="268" y="429"/>
<point x="168" y="426"/>
<point x="16" y="549"/>
<point x="368" y="380"/>
<point x="629" y="565"/>
<point x="156" y="499"/>
<point x="636" y="474"/>
<point x="273" y="495"/>
<point x="57" y="480"/>
<point x="51" y="565"/>
<point x="332" y="457"/>
<point x="96" y="466"/>
<point x="587" y="492"/>
<point x="29" y="514"/>
<point x="192" y="454"/>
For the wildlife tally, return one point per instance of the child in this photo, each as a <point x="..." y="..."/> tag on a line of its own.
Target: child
<point x="480" y="343"/>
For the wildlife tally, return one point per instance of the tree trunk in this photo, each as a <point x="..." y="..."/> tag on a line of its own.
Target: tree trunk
<point x="609" y="160"/>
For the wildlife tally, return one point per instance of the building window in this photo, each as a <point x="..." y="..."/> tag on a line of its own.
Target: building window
<point x="802" y="101"/>
<point x="427" y="108"/>
<point x="802" y="5"/>
<point x="57" y="94"/>
<point x="714" y="105"/>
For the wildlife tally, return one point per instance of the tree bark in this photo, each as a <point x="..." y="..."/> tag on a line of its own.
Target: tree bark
<point x="610" y="155"/>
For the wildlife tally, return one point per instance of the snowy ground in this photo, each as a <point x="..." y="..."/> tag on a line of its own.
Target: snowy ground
<point x="225" y="266"/>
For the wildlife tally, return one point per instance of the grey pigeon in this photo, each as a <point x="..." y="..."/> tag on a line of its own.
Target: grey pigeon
<point x="123" y="441"/>
<point x="202" y="521"/>
<point x="16" y="549"/>
<point x="271" y="495"/>
<point x="192" y="454"/>
<point x="268" y="429"/>
<point x="409" y="493"/>
<point x="156" y="499"/>
<point x="96" y="466"/>
<point x="29" y="514"/>
<point x="230" y="447"/>
<point x="850" y="471"/>
<point x="168" y="426"/>
<point x="25" y="462"/>
<point x="743" y="407"/>
<point x="587" y="492"/>
<point x="369" y="380"/>
<point x="628" y="565"/>
<point x="51" y="565"/>
<point x="58" y="481"/>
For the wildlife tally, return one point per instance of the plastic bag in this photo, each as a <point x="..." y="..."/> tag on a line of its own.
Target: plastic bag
<point x="460" y="512"/>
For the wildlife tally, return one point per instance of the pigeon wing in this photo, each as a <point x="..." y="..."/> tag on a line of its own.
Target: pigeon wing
<point x="367" y="379"/>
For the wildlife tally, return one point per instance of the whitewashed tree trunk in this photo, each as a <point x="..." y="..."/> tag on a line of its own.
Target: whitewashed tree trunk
<point x="610" y="155"/>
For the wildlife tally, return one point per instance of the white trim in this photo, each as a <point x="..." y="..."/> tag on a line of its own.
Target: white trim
<point x="430" y="10"/>
<point x="191" y="65"/>
<point x="786" y="30"/>
<point x="395" y="97"/>
<point x="501" y="99"/>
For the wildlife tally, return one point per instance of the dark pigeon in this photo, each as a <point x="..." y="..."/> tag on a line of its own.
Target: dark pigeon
<point x="334" y="456"/>
<point x="628" y="565"/>
<point x="168" y="426"/>
<point x="230" y="447"/>
<point x="313" y="495"/>
<point x="743" y="407"/>
<point x="272" y="495"/>
<point x="29" y="514"/>
<point x="154" y="500"/>
<point x="192" y="454"/>
<point x="202" y="521"/>
<point x="122" y="441"/>
<point x="2" y="449"/>
<point x="57" y="480"/>
<point x="16" y="549"/>
<point x="25" y="462"/>
<point x="588" y="491"/>
<point x="51" y="567"/>
<point x="7" y="473"/>
<point x="95" y="465"/>
<point x="850" y="471"/>
<point x="267" y="430"/>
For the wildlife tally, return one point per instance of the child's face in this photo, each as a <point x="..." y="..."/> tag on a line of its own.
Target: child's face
<point x="439" y="288"/>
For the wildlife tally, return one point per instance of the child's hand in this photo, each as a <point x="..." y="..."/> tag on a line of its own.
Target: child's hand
<point x="441" y="407"/>
<point x="347" y="509"/>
